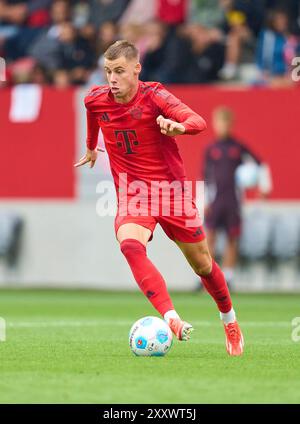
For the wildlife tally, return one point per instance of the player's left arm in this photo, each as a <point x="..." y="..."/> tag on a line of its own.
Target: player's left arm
<point x="176" y="118"/>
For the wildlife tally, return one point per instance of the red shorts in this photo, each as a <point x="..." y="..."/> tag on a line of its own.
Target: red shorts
<point x="183" y="228"/>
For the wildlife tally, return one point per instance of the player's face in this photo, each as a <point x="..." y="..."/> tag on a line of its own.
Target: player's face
<point x="122" y="76"/>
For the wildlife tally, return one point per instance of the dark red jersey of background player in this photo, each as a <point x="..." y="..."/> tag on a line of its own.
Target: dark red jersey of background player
<point x="133" y="140"/>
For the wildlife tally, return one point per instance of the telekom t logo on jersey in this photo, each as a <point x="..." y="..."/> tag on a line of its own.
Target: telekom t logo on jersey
<point x="126" y="139"/>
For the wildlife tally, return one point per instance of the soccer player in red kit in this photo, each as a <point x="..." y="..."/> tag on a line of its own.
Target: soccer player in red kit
<point x="139" y="122"/>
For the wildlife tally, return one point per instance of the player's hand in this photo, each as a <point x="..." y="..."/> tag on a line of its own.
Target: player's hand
<point x="169" y="127"/>
<point x="89" y="157"/>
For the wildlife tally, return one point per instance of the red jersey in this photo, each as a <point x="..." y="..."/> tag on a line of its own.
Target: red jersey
<point x="133" y="140"/>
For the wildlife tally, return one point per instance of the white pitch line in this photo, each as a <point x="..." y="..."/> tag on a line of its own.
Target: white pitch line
<point x="120" y="323"/>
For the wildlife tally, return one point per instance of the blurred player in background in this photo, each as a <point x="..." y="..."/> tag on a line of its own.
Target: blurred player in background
<point x="222" y="165"/>
<point x="139" y="122"/>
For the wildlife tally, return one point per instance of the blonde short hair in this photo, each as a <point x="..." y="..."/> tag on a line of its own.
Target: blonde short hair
<point x="122" y="48"/>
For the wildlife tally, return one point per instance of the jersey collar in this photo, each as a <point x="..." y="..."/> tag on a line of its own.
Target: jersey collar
<point x="112" y="99"/>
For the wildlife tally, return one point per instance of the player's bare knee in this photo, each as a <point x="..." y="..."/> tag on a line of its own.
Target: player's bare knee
<point x="203" y="265"/>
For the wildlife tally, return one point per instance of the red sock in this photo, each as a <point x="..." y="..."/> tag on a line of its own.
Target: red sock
<point x="216" y="286"/>
<point x="146" y="275"/>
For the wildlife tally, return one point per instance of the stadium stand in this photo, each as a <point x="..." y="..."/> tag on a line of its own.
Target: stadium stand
<point x="61" y="42"/>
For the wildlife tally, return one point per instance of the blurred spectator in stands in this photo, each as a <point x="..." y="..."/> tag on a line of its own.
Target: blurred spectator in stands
<point x="135" y="34"/>
<point x="205" y="12"/>
<point x="172" y="12"/>
<point x="26" y="70"/>
<point x="61" y="79"/>
<point x="106" y="10"/>
<point x="241" y="24"/>
<point x="138" y="12"/>
<point x="81" y="13"/>
<point x="80" y="19"/>
<point x="168" y="56"/>
<point x="13" y="15"/>
<point x="60" y="12"/>
<point x="223" y="212"/>
<point x="208" y="52"/>
<point x="292" y="8"/>
<point x="219" y="35"/>
<point x="20" y="23"/>
<point x="107" y="34"/>
<point x="275" y="50"/>
<point x="89" y="34"/>
<point x="39" y="75"/>
<point x="63" y="49"/>
<point x="74" y="55"/>
<point x="20" y="71"/>
<point x="45" y="49"/>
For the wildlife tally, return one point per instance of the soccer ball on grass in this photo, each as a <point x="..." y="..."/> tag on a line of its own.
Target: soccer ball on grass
<point x="150" y="336"/>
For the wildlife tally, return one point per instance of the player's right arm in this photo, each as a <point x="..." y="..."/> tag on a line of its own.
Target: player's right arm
<point x="92" y="137"/>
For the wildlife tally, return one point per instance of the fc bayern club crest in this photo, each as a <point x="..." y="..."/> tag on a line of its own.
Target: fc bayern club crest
<point x="136" y="112"/>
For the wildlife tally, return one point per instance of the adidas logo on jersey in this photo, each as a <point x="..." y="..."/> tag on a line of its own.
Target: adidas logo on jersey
<point x="105" y="117"/>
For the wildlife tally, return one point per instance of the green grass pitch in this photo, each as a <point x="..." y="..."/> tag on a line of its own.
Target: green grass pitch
<point x="72" y="347"/>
